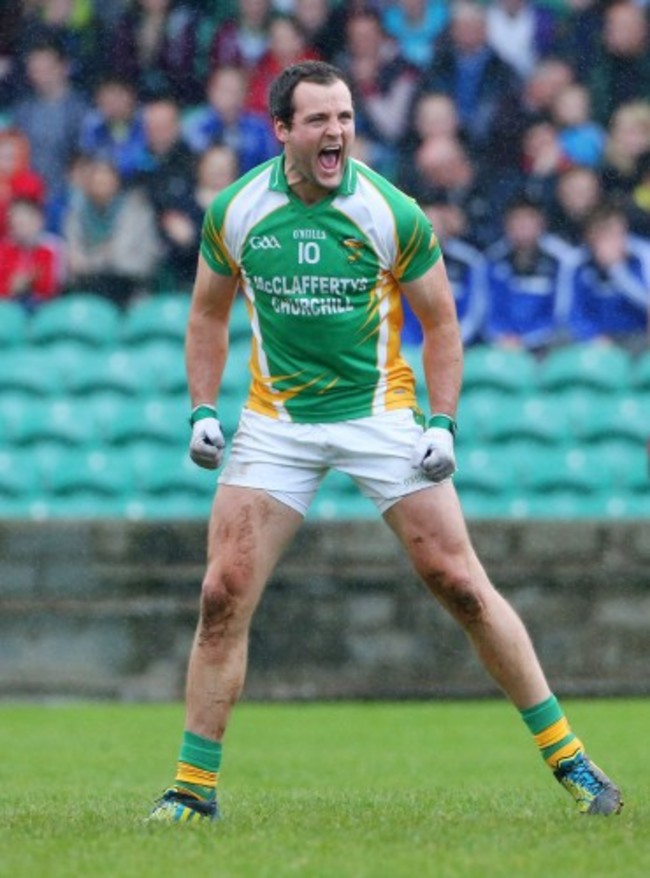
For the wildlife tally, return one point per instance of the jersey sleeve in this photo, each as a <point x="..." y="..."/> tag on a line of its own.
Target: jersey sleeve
<point x="214" y="248"/>
<point x="418" y="247"/>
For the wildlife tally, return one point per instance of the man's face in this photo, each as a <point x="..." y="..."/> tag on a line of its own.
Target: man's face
<point x="318" y="142"/>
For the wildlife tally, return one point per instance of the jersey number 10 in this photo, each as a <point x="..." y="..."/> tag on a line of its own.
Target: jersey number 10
<point x="308" y="252"/>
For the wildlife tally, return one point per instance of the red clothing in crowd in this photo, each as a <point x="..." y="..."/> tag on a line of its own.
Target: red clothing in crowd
<point x="41" y="263"/>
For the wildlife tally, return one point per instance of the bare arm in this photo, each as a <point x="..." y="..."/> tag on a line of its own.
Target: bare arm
<point x="206" y="342"/>
<point x="432" y="301"/>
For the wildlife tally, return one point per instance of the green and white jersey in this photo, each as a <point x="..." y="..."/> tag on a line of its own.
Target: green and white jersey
<point x="322" y="286"/>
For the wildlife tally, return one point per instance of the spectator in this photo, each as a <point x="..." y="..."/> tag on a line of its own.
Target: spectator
<point x="51" y="117"/>
<point x="110" y="232"/>
<point x="542" y="87"/>
<point x="620" y="71"/>
<point x="578" y="193"/>
<point x="528" y="281"/>
<point x="433" y="116"/>
<point x="610" y="287"/>
<point x="169" y="175"/>
<point x="31" y="261"/>
<point x="383" y="84"/>
<point x="17" y="180"/>
<point x="415" y="25"/>
<point x="312" y="16"/>
<point x="581" y="139"/>
<point x="181" y="220"/>
<point x="154" y="45"/>
<point x="287" y="45"/>
<point x="223" y="119"/>
<point x="12" y="13"/>
<point x="628" y="139"/>
<point x="638" y="205"/>
<point x="579" y="34"/>
<point x="521" y="33"/>
<point x="75" y="27"/>
<point x="466" y="272"/>
<point x="243" y="40"/>
<point x="114" y="129"/>
<point x="443" y="170"/>
<point x="484" y="88"/>
<point x="543" y="160"/>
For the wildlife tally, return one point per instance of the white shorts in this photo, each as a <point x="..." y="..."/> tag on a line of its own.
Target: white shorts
<point x="289" y="460"/>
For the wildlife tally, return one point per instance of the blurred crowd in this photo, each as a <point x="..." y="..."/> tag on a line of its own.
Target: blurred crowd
<point x="522" y="128"/>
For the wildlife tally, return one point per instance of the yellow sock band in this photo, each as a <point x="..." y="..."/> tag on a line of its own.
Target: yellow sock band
<point x="186" y="773"/>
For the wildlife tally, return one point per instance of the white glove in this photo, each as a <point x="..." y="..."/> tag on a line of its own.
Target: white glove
<point x="207" y="445"/>
<point x="434" y="450"/>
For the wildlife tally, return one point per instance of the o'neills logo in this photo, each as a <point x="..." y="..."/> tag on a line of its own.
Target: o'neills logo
<point x="265" y="242"/>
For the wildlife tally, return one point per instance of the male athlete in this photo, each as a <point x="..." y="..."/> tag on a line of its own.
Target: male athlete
<point x="323" y="249"/>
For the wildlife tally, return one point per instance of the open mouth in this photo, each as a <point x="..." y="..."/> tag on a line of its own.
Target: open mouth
<point x="330" y="157"/>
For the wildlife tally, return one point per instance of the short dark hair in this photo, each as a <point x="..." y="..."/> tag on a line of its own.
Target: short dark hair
<point x="281" y="94"/>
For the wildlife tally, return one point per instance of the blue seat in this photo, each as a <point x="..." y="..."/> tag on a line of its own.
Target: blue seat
<point x="18" y="475"/>
<point x="164" y="361"/>
<point x="534" y="419"/>
<point x="62" y="421"/>
<point x="88" y="318"/>
<point x="29" y="372"/>
<point x="163" y="472"/>
<point x="118" y="370"/>
<point x="623" y="418"/>
<point x="161" y="422"/>
<point x="94" y="473"/>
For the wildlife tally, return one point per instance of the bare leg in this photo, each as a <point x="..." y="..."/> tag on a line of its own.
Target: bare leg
<point x="430" y="524"/>
<point x="248" y="532"/>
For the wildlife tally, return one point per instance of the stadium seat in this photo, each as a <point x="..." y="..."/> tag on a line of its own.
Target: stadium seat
<point x="571" y="473"/>
<point x="623" y="418"/>
<point x="29" y="372"/>
<point x="161" y="422"/>
<point x="159" y="317"/>
<point x="500" y="370"/>
<point x="533" y="419"/>
<point x="239" y="326"/>
<point x="482" y="470"/>
<point x="61" y="421"/>
<point x="93" y="473"/>
<point x="641" y="374"/>
<point x="602" y="368"/>
<point x="334" y="507"/>
<point x="173" y="506"/>
<point x="18" y="475"/>
<point x="169" y="472"/>
<point x="88" y="318"/>
<point x="13" y="323"/>
<point x="164" y="361"/>
<point x="118" y="370"/>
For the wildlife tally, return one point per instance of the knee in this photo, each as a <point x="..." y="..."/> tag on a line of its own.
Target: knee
<point x="452" y="584"/>
<point x="222" y="602"/>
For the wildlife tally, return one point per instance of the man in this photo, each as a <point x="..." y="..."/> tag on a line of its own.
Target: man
<point x="324" y="248"/>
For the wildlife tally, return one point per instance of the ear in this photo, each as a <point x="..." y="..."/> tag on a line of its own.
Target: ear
<point x="281" y="130"/>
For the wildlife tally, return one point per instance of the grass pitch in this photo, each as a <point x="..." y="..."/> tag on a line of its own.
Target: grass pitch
<point x="320" y="791"/>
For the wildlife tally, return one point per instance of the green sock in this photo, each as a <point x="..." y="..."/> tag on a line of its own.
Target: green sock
<point x="198" y="766"/>
<point x="552" y="732"/>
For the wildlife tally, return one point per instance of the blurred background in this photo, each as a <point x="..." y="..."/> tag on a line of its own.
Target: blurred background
<point x="523" y="129"/>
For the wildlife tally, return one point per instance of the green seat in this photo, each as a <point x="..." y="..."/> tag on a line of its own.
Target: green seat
<point x="497" y="369"/>
<point x="94" y="473"/>
<point x="118" y="370"/>
<point x="172" y="506"/>
<point x="164" y="361"/>
<point x="573" y="472"/>
<point x="170" y="472"/>
<point x="617" y="418"/>
<point x="19" y="477"/>
<point x="158" y="317"/>
<point x="13" y="324"/>
<point x="63" y="421"/>
<point x="69" y="358"/>
<point x="641" y="373"/>
<point x="239" y="324"/>
<point x="533" y="419"/>
<point x="29" y="372"/>
<point x="161" y="422"/>
<point x="341" y="507"/>
<point x="602" y="368"/>
<point x="88" y="318"/>
<point x="482" y="470"/>
<point x="561" y="505"/>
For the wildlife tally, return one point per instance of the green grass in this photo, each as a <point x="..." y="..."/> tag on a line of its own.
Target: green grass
<point x="320" y="791"/>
